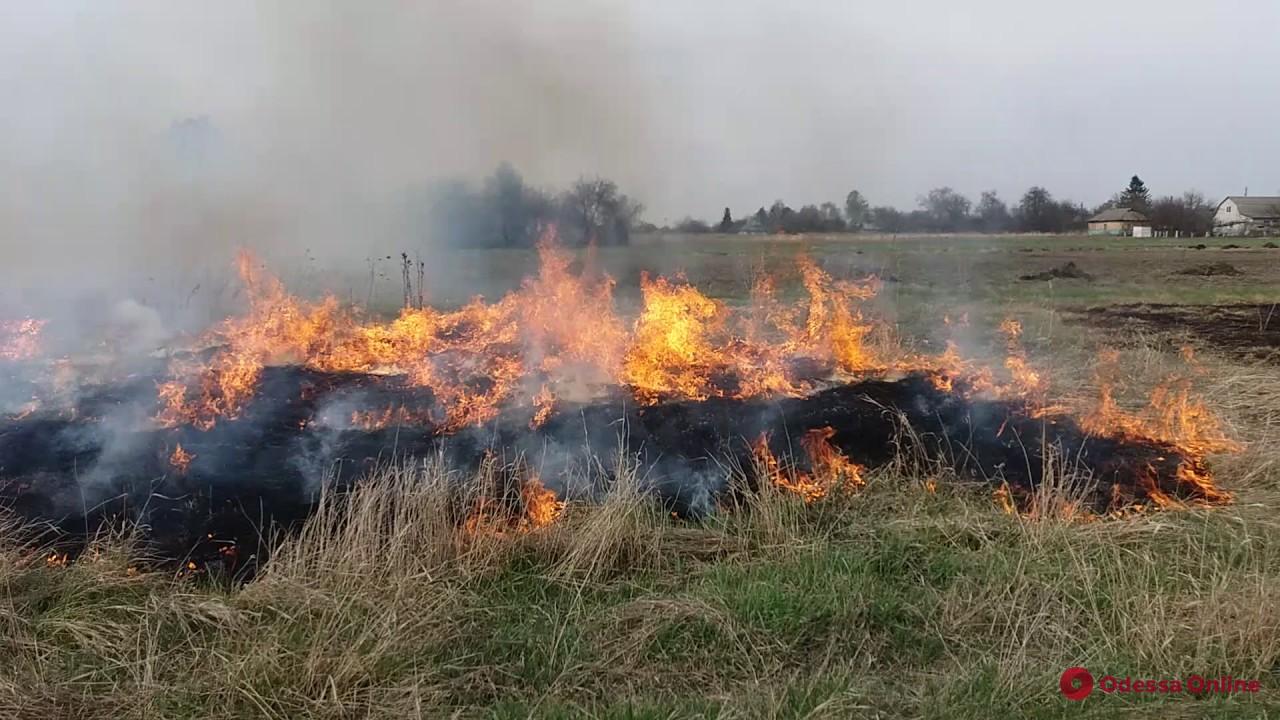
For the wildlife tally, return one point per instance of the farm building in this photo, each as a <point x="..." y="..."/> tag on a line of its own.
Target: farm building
<point x="1117" y="221"/>
<point x="1243" y="215"/>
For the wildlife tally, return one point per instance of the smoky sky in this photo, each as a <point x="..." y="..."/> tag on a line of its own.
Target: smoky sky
<point x="148" y="129"/>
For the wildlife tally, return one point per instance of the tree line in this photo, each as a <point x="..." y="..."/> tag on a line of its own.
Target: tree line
<point x="505" y="211"/>
<point x="944" y="210"/>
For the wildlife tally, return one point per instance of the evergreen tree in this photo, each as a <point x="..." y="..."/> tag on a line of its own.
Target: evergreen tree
<point x="1136" y="196"/>
<point x="726" y="223"/>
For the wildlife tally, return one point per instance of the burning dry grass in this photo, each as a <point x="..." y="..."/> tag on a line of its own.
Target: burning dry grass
<point x="886" y="593"/>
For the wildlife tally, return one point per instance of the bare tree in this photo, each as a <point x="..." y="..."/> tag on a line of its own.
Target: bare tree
<point x="992" y="213"/>
<point x="948" y="210"/>
<point x="596" y="211"/>
<point x="856" y="210"/>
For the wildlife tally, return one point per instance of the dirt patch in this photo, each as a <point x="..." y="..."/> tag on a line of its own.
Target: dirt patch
<point x="1250" y="332"/>
<point x="1218" y="269"/>
<point x="1069" y="271"/>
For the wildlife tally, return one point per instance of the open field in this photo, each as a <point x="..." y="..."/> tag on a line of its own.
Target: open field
<point x="913" y="597"/>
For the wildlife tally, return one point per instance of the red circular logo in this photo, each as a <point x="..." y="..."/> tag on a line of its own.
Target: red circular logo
<point x="1076" y="683"/>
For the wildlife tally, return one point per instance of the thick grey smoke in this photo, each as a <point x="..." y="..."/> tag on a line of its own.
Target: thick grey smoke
<point x="142" y="144"/>
<point x="142" y="141"/>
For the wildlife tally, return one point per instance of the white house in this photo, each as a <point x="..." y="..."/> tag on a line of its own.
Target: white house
<point x="1247" y="215"/>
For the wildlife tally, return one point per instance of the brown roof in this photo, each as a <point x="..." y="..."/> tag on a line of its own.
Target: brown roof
<point x="1118" y="215"/>
<point x="1256" y="206"/>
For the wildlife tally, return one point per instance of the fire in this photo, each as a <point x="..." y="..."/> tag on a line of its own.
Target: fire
<point x="1174" y="413"/>
<point x="1002" y="497"/>
<point x="278" y="328"/>
<point x="545" y="403"/>
<point x="541" y="506"/>
<point x="558" y="338"/>
<point x="557" y="332"/>
<point x="834" y="327"/>
<point x="20" y="339"/>
<point x="672" y="352"/>
<point x="180" y="459"/>
<point x="1026" y="381"/>
<point x="830" y="469"/>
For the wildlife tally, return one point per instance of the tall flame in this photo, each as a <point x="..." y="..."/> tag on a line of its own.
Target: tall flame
<point x="559" y="338"/>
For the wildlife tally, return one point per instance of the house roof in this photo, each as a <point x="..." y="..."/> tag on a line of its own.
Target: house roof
<point x="1256" y="206"/>
<point x="1119" y="215"/>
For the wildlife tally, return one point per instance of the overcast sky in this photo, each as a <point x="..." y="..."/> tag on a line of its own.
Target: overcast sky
<point x="328" y="112"/>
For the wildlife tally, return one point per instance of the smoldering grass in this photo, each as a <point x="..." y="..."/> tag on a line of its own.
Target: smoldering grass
<point x="871" y="602"/>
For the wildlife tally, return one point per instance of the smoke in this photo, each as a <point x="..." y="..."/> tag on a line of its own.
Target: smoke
<point x="143" y="146"/>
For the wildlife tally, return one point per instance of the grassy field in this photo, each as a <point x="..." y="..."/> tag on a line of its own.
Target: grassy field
<point x="915" y="597"/>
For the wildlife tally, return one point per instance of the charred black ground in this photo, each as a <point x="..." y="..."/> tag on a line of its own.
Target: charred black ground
<point x="73" y="473"/>
<point x="1248" y="331"/>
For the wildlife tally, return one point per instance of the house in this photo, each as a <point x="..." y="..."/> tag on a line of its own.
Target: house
<point x="1245" y="215"/>
<point x="1118" y="221"/>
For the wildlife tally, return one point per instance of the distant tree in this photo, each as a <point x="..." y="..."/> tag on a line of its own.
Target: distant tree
<point x="726" y="223"/>
<point x="856" y="210"/>
<point x="516" y="209"/>
<point x="992" y="213"/>
<point x="596" y="211"/>
<point x="832" y="220"/>
<point x="507" y="212"/>
<point x="1071" y="216"/>
<point x="888" y="219"/>
<point x="1187" y="215"/>
<point x="762" y="217"/>
<point x="1136" y="196"/>
<point x="947" y="209"/>
<point x="1038" y="212"/>
<point x="1198" y="219"/>
<point x="779" y="217"/>
<point x="807" y="219"/>
<point x="692" y="226"/>
<point x="919" y="221"/>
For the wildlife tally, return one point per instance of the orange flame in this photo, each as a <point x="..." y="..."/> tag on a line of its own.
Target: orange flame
<point x="558" y="328"/>
<point x="1026" y="381"/>
<point x="1174" y="413"/>
<point x="830" y="469"/>
<point x="672" y="353"/>
<point x="558" y="338"/>
<point x="541" y="506"/>
<point x="180" y="459"/>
